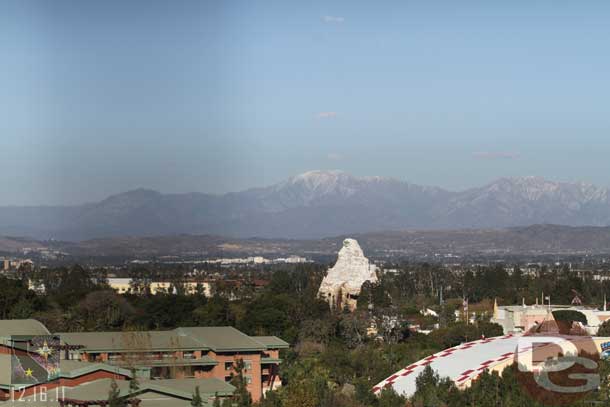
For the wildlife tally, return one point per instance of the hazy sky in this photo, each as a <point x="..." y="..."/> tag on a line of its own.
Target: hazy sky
<point x="214" y="96"/>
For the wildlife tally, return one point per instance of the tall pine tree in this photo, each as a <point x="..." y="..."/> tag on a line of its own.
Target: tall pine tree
<point x="197" y="401"/>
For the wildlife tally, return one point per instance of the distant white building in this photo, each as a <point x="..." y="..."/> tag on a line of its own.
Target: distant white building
<point x="259" y="260"/>
<point x="427" y="312"/>
<point x="291" y="260"/>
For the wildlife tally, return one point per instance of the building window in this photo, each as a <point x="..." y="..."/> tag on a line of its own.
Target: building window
<point x="248" y="379"/>
<point x="158" y="373"/>
<point x="189" y="372"/>
<point x="248" y="364"/>
<point x="228" y="365"/>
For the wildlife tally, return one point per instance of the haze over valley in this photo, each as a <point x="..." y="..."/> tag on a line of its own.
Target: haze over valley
<point x="317" y="204"/>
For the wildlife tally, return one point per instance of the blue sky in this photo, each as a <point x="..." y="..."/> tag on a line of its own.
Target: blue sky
<point x="215" y="96"/>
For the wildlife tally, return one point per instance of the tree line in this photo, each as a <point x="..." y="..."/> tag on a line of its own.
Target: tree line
<point x="335" y="358"/>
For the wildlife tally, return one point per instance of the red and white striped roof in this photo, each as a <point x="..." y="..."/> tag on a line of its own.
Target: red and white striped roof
<point x="461" y="363"/>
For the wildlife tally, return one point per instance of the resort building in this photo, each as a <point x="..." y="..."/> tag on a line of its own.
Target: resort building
<point x="125" y="286"/>
<point x="194" y="352"/>
<point x="521" y="318"/>
<point x="171" y="363"/>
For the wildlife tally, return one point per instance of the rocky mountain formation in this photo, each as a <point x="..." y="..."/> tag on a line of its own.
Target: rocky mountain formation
<point x="342" y="283"/>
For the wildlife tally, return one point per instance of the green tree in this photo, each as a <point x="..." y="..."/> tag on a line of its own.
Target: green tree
<point x="431" y="390"/>
<point x="317" y="330"/>
<point x="114" y="396"/>
<point x="241" y="396"/>
<point x="197" y="401"/>
<point x="141" y="278"/>
<point x="604" y="329"/>
<point x="134" y="385"/>
<point x="306" y="393"/>
<point x="389" y="398"/>
<point x="271" y="399"/>
<point x="23" y="309"/>
<point x="569" y="315"/>
<point x="215" y="312"/>
<point x="308" y="383"/>
<point x="104" y="310"/>
<point x="15" y="298"/>
<point x="604" y="374"/>
<point x="67" y="286"/>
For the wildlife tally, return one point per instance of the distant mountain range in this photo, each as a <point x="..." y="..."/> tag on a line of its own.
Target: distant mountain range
<point x="317" y="204"/>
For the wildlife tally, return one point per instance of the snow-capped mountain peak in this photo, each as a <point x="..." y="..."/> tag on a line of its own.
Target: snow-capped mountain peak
<point x="534" y="188"/>
<point x="321" y="203"/>
<point x="320" y="179"/>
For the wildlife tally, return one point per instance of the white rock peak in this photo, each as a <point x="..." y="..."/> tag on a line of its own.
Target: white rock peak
<point x="342" y="284"/>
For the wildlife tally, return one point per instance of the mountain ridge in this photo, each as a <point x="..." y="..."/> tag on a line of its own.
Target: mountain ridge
<point x="316" y="204"/>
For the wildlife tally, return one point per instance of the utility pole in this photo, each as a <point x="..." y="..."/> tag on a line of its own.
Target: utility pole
<point x="441" y="319"/>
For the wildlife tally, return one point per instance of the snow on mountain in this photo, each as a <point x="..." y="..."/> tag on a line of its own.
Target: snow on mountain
<point x="526" y="200"/>
<point x="316" y="204"/>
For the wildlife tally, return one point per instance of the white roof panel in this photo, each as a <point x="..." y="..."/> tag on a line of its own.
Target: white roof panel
<point x="459" y="363"/>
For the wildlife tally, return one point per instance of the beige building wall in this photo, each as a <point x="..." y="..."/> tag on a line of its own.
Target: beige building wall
<point x="123" y="286"/>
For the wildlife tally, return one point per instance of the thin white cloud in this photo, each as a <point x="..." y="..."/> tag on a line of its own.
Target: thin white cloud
<point x="334" y="156"/>
<point x="333" y="19"/>
<point x="326" y="115"/>
<point x="495" y="155"/>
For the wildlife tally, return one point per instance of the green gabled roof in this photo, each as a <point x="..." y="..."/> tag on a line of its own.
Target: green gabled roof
<point x="272" y="342"/>
<point x="75" y="368"/>
<point x="5" y="370"/>
<point x="207" y="387"/>
<point x="218" y="339"/>
<point x="222" y="339"/>
<point x="143" y="341"/>
<point x="22" y="327"/>
<point x="179" y="388"/>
